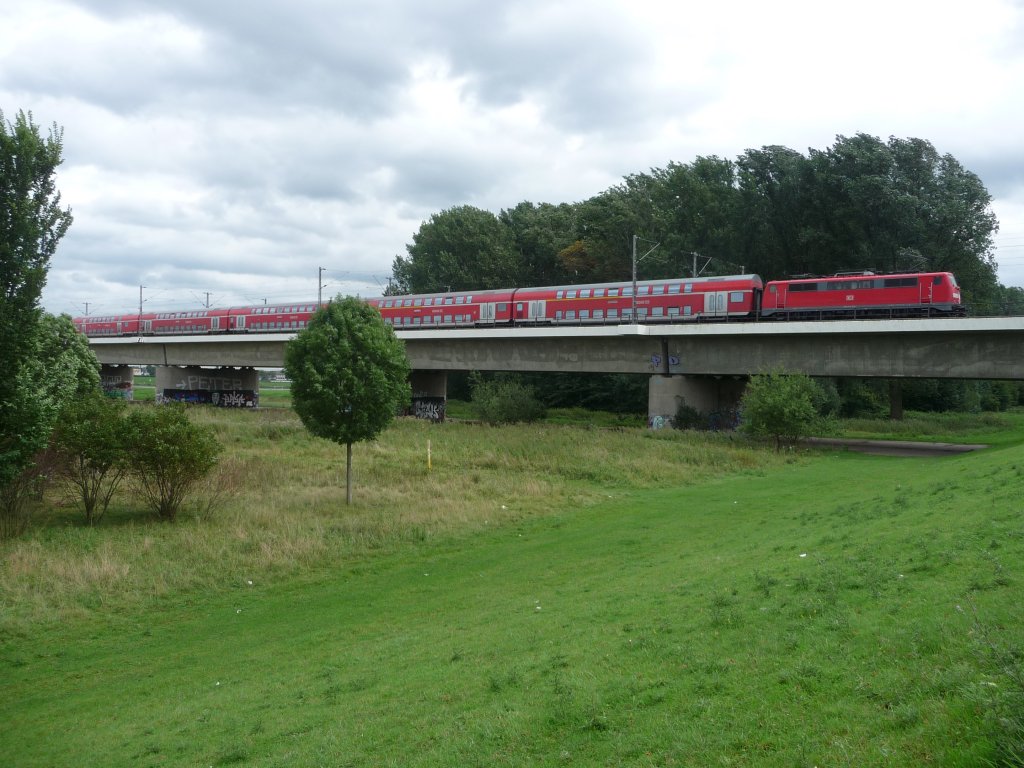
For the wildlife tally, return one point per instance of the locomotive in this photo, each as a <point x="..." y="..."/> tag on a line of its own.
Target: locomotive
<point x="732" y="298"/>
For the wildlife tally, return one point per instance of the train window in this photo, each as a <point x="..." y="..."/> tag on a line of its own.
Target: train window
<point x="937" y="280"/>
<point x="447" y="300"/>
<point x="416" y="321"/>
<point x="673" y="311"/>
<point x="447" y="318"/>
<point x="558" y="315"/>
<point x="657" y="311"/>
<point x="687" y="287"/>
<point x="673" y="288"/>
<point x="613" y="292"/>
<point x="900" y="282"/>
<point x="643" y="290"/>
<point x="598" y="292"/>
<point x="736" y="297"/>
<point x="802" y="287"/>
<point x="659" y="289"/>
<point x="418" y="303"/>
<point x="570" y="315"/>
<point x="584" y="314"/>
<point x="570" y="294"/>
<point x="560" y="295"/>
<point x="598" y="314"/>
<point x="519" y="306"/>
<point x="460" y="299"/>
<point x="627" y="290"/>
<point x="585" y="293"/>
<point x="687" y="311"/>
<point x="503" y="307"/>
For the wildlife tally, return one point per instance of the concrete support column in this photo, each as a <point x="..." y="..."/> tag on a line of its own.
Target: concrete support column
<point x="717" y="398"/>
<point x="896" y="399"/>
<point x="118" y="381"/>
<point x="224" y="387"/>
<point x="429" y="394"/>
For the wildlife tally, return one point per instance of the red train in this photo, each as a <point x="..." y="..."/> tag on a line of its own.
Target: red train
<point x="729" y="298"/>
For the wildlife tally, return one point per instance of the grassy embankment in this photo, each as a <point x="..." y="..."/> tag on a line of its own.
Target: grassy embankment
<point x="540" y="596"/>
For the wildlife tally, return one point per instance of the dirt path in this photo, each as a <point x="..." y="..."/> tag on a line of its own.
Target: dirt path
<point x="893" y="447"/>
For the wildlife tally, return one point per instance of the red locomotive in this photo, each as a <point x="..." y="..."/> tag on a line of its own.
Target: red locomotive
<point x="862" y="294"/>
<point x="728" y="298"/>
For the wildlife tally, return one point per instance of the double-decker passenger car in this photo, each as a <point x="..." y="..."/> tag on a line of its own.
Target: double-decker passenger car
<point x="864" y="295"/>
<point x="452" y="309"/>
<point x="674" y="300"/>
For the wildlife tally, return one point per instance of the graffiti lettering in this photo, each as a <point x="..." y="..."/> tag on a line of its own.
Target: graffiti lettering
<point x="430" y="408"/>
<point x="246" y="398"/>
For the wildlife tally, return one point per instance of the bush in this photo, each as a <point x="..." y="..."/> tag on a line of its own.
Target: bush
<point x="90" y="443"/>
<point x="688" y="417"/>
<point x="505" y="400"/>
<point x="781" y="406"/>
<point x="168" y="456"/>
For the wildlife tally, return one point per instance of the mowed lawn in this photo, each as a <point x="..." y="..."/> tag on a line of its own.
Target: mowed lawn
<point x="816" y="609"/>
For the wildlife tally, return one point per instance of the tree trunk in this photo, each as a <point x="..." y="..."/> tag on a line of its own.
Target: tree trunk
<point x="348" y="473"/>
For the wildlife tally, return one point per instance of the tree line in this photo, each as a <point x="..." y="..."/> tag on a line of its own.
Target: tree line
<point x="860" y="204"/>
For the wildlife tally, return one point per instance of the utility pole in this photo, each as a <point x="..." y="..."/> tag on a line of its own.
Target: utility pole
<point x="140" y="310"/>
<point x="636" y="238"/>
<point x="319" y="286"/>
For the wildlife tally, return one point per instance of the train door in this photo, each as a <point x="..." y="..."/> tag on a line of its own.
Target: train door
<point x="927" y="288"/>
<point x="147" y="326"/>
<point x="215" y="323"/>
<point x="537" y="311"/>
<point x="239" y="322"/>
<point x="716" y="303"/>
<point x="487" y="312"/>
<point x="120" y="327"/>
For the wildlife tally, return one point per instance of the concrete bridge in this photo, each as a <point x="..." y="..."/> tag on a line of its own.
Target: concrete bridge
<point x="706" y="364"/>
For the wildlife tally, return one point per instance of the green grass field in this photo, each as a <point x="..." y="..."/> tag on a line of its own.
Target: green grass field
<point x="545" y="595"/>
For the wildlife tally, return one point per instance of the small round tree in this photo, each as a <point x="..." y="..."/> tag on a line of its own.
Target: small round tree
<point x="781" y="406"/>
<point x="349" y="375"/>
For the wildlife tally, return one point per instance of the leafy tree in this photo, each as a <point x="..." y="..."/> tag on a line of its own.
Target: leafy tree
<point x="463" y="248"/>
<point x="349" y="375"/>
<point x="168" y="456"/>
<point x="505" y="400"/>
<point x="31" y="225"/>
<point x="781" y="406"/>
<point x="91" y="444"/>
<point x="58" y="368"/>
<point x="540" y="233"/>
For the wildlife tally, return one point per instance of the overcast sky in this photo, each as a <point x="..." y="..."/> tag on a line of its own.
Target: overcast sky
<point x="220" y="151"/>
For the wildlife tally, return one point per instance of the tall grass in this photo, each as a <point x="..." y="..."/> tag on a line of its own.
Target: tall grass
<point x="274" y="506"/>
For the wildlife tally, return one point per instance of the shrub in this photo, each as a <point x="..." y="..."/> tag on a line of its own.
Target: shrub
<point x="505" y="400"/>
<point x="688" y="417"/>
<point x="781" y="406"/>
<point x="90" y="445"/>
<point x="168" y="456"/>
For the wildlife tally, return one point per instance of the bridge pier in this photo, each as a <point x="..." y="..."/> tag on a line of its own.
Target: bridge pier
<point x="713" y="396"/>
<point x="118" y="381"/>
<point x="225" y="387"/>
<point x="429" y="394"/>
